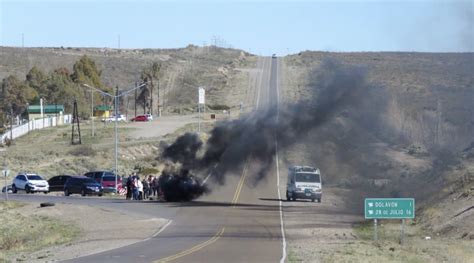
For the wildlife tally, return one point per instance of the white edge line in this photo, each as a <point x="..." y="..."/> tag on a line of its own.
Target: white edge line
<point x="260" y="85"/>
<point x="205" y="180"/>
<point x="283" y="256"/>
<point x="159" y="231"/>
<point x="209" y="175"/>
<point x="282" y="227"/>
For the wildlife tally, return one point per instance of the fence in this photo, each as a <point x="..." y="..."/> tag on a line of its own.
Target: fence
<point x="36" y="124"/>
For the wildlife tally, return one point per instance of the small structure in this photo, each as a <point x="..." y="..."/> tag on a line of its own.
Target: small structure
<point x="52" y="110"/>
<point x="102" y="111"/>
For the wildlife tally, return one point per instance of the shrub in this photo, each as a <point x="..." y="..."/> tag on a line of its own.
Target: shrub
<point x="219" y="107"/>
<point x="148" y="170"/>
<point x="83" y="150"/>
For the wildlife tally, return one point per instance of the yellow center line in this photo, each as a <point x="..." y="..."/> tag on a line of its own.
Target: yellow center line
<point x="193" y="249"/>
<point x="219" y="234"/>
<point x="240" y="185"/>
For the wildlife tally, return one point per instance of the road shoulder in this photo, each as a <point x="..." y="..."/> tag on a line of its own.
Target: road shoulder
<point x="102" y="229"/>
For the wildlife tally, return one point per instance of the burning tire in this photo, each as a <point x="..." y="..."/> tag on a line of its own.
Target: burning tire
<point x="180" y="187"/>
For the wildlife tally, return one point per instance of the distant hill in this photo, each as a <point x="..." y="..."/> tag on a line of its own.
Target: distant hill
<point x="183" y="70"/>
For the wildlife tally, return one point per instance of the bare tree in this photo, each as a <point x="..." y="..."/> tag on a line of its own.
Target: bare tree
<point x="150" y="75"/>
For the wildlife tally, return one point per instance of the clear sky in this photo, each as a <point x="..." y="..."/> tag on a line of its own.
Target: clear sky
<point x="261" y="27"/>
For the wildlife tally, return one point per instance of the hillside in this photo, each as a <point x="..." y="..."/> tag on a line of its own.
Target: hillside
<point x="182" y="70"/>
<point x="404" y="131"/>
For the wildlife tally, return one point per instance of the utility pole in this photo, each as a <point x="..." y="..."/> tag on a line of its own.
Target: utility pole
<point x="22" y="40"/>
<point x="116" y="97"/>
<point x="11" y="123"/>
<point x="116" y="137"/>
<point x="75" y="121"/>
<point x="118" y="41"/>
<point x="28" y="115"/>
<point x="92" y="112"/>
<point x="136" y="84"/>
<point x="158" y="97"/>
<point x="151" y="95"/>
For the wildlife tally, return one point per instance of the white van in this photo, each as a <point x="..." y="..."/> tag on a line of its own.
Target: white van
<point x="304" y="182"/>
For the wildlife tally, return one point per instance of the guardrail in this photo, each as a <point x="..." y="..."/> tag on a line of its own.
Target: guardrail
<point x="36" y="124"/>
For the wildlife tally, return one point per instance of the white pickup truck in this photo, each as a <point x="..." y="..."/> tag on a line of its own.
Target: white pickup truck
<point x="112" y="118"/>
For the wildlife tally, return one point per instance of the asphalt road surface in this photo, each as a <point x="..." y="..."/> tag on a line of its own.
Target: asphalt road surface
<point x="237" y="222"/>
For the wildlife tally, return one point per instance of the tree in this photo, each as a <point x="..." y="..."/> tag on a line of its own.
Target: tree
<point x="85" y="71"/>
<point x="143" y="98"/>
<point x="36" y="79"/>
<point x="62" y="90"/>
<point x="149" y="75"/>
<point x="13" y="96"/>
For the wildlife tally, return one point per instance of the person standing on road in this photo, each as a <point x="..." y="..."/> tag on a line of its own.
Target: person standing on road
<point x="156" y="187"/>
<point x="150" y="183"/>
<point x="135" y="188"/>
<point x="146" y="188"/>
<point x="139" y="188"/>
<point x="129" y="187"/>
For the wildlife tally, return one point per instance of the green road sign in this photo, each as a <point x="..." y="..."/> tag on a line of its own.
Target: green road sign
<point x="389" y="208"/>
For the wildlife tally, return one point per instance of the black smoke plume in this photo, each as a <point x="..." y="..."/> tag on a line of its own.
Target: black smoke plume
<point x="180" y="185"/>
<point x="231" y="143"/>
<point x="184" y="150"/>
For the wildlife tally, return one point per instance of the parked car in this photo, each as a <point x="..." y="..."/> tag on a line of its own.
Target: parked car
<point x="82" y="185"/>
<point x="108" y="184"/>
<point x="140" y="118"/>
<point x="56" y="183"/>
<point x="30" y="182"/>
<point x="112" y="118"/>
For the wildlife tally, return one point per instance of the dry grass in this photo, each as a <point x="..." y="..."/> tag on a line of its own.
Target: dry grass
<point x="53" y="154"/>
<point x="29" y="233"/>
<point x="388" y="249"/>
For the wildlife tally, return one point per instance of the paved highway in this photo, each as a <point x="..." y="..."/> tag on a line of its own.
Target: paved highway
<point x="237" y="222"/>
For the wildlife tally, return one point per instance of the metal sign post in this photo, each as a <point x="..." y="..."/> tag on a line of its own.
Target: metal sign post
<point x="201" y="101"/>
<point x="402" y="232"/>
<point x="375" y="230"/>
<point x="390" y="208"/>
<point x="5" y="173"/>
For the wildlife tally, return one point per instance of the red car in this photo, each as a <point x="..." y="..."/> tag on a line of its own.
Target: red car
<point x="140" y="118"/>
<point x="108" y="183"/>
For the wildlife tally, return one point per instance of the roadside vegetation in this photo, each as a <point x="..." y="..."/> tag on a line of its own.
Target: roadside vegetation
<point x="21" y="233"/>
<point x="417" y="246"/>
<point x="57" y="74"/>
<point x="53" y="153"/>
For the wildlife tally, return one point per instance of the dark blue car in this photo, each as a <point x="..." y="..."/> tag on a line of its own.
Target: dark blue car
<point x="82" y="185"/>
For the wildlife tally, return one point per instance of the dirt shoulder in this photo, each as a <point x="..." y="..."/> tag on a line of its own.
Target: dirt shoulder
<point x="331" y="232"/>
<point x="107" y="229"/>
<point x="314" y="230"/>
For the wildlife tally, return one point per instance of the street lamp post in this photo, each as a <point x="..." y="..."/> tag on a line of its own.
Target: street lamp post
<point x="116" y="136"/>
<point x="92" y="111"/>
<point x="116" y="97"/>
<point x="28" y="115"/>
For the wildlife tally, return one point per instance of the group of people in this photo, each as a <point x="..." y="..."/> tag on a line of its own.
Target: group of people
<point x="138" y="189"/>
